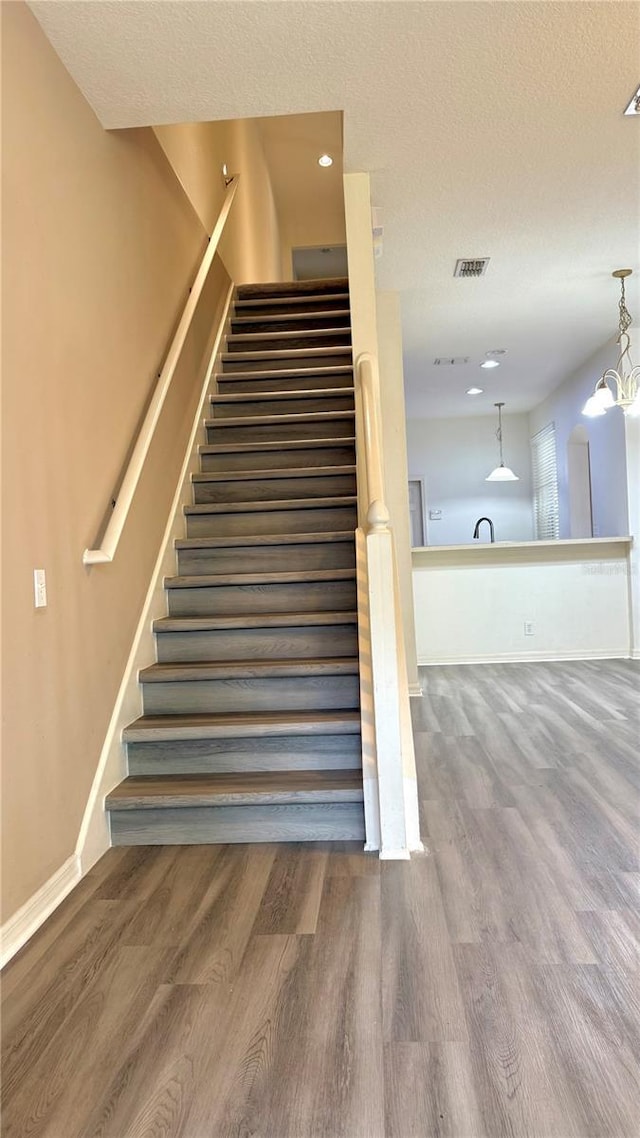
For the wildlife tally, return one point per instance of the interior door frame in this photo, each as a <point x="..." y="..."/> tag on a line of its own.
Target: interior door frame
<point x="423" y="508"/>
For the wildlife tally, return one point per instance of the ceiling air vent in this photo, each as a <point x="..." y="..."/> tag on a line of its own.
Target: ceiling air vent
<point x="471" y="267"/>
<point x="446" y="361"/>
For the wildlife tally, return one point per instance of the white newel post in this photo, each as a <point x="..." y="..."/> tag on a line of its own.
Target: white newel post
<point x="386" y="692"/>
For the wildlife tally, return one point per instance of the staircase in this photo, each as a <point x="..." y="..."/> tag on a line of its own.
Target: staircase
<point x="251" y="724"/>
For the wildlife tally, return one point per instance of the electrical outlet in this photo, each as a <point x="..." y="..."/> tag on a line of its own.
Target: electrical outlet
<point x="528" y="628"/>
<point x="435" y="515"/>
<point x="40" y="588"/>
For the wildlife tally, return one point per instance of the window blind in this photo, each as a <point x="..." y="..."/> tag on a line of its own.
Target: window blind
<point x="545" y="483"/>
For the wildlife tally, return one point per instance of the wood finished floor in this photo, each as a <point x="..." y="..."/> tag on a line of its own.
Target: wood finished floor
<point x="487" y="989"/>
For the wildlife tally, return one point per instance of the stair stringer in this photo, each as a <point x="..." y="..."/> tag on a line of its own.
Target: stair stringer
<point x="94" y="837"/>
<point x="367" y="710"/>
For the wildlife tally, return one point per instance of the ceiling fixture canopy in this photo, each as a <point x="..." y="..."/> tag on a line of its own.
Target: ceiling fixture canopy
<point x="501" y="473"/>
<point x="625" y="377"/>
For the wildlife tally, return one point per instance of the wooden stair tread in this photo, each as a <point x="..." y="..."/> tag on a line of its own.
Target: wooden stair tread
<point x="248" y="669"/>
<point x="280" y="396"/>
<point x="293" y="290"/>
<point x="275" y="504"/>
<point x="301" y="576"/>
<point x="287" y="333"/>
<point x="264" y="787"/>
<point x="281" y="444"/>
<point x="285" y="372"/>
<point x="316" y="314"/>
<point x="242" y="725"/>
<point x="215" y="623"/>
<point x="243" y="540"/>
<point x="256" y="301"/>
<point x="278" y="420"/>
<point x="287" y="353"/>
<point x="281" y="472"/>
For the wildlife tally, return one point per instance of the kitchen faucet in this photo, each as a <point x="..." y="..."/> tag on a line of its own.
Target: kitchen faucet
<point x="476" y="532"/>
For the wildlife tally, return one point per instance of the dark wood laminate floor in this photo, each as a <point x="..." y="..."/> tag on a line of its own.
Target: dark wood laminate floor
<point x="487" y="989"/>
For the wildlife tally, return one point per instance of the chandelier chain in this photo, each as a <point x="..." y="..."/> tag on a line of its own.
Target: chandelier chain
<point x="625" y="316"/>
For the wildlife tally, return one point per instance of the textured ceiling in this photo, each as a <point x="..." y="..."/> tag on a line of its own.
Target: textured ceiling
<point x="489" y="129"/>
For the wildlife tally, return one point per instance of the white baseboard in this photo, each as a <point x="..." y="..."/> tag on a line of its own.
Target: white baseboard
<point x="94" y="837"/>
<point x="22" y="925"/>
<point x="401" y="854"/>
<point x="522" y="658"/>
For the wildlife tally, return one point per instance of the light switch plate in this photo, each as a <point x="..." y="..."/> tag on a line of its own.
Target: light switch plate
<point x="40" y="588"/>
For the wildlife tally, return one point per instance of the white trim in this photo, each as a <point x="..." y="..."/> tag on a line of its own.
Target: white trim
<point x="400" y="854"/>
<point x="109" y="542"/>
<point x="94" y="837"/>
<point x="415" y="690"/>
<point x="22" y="925"/>
<point x="523" y="657"/>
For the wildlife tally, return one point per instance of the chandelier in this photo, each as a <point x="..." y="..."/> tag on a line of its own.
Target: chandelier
<point x="619" y="386"/>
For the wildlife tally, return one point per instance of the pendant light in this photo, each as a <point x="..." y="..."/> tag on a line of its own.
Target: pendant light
<point x="501" y="473"/>
<point x="624" y="377"/>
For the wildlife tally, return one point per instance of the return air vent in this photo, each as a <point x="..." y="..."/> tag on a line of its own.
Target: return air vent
<point x="471" y="267"/>
<point x="446" y="361"/>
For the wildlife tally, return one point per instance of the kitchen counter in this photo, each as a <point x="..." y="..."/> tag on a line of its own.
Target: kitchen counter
<point x="583" y="547"/>
<point x="523" y="600"/>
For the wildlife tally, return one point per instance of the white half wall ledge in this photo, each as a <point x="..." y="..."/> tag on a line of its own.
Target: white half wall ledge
<point x="27" y="920"/>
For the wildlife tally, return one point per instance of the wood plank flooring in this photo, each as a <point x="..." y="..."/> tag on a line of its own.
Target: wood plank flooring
<point x="489" y="988"/>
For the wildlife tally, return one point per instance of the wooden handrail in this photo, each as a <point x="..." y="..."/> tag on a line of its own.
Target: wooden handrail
<point x="113" y="532"/>
<point x="369" y="381"/>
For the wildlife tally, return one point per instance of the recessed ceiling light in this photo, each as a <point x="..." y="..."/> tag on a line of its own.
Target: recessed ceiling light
<point x="474" y="391"/>
<point x="325" y="160"/>
<point x="490" y="363"/>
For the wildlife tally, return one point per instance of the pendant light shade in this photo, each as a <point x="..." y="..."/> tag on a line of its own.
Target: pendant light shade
<point x="501" y="473"/>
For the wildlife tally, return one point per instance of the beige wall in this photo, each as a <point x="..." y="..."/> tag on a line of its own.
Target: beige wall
<point x="309" y="199"/>
<point x="100" y="246"/>
<point x="250" y="247"/>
